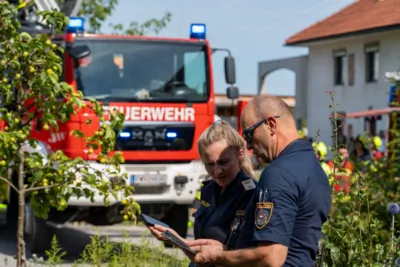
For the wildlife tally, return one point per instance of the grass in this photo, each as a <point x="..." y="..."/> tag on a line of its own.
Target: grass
<point x="101" y="252"/>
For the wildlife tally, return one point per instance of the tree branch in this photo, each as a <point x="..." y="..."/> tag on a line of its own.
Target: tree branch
<point x="10" y="184"/>
<point x="41" y="187"/>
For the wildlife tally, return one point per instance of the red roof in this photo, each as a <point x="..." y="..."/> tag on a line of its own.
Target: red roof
<point x="361" y="16"/>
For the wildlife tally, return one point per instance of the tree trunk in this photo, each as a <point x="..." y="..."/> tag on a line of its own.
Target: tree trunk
<point x="21" y="259"/>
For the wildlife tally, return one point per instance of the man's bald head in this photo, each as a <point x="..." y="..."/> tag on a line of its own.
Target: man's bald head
<point x="269" y="126"/>
<point x="268" y="105"/>
<point x="264" y="106"/>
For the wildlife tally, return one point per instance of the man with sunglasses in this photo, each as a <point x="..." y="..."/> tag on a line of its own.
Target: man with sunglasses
<point x="282" y="225"/>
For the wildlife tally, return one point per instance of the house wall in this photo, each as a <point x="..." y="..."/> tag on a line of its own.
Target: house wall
<point x="360" y="96"/>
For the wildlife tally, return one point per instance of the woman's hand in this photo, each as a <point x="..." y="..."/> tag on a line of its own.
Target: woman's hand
<point x="157" y="231"/>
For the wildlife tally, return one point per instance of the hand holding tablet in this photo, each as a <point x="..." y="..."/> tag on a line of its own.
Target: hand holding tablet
<point x="176" y="241"/>
<point x="171" y="237"/>
<point x="150" y="221"/>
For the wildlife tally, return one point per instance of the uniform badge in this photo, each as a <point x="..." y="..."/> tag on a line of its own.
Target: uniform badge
<point x="263" y="214"/>
<point x="237" y="220"/>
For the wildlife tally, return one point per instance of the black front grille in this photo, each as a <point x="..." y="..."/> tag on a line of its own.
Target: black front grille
<point x="156" y="137"/>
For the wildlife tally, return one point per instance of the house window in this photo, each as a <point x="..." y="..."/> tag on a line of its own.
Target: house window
<point x="372" y="62"/>
<point x="351" y="69"/>
<point x="339" y="63"/>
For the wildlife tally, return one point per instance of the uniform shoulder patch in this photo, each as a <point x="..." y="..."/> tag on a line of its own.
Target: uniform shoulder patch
<point x="263" y="214"/>
<point x="248" y="184"/>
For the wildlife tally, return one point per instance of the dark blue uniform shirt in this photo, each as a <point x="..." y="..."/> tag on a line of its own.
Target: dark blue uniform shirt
<point x="291" y="202"/>
<point x="220" y="215"/>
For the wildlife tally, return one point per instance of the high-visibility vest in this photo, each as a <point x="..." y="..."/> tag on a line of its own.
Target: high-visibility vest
<point x="326" y="168"/>
<point x="343" y="175"/>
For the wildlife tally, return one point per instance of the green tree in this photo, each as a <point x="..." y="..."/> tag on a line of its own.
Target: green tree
<point x="148" y="27"/>
<point x="30" y="92"/>
<point x="97" y="11"/>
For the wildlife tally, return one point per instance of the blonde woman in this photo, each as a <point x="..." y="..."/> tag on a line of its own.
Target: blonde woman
<point x="224" y="197"/>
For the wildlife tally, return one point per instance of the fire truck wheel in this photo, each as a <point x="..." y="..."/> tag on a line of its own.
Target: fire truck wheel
<point x="38" y="234"/>
<point x="177" y="217"/>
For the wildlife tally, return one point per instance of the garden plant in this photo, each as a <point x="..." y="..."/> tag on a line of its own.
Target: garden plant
<point x="362" y="228"/>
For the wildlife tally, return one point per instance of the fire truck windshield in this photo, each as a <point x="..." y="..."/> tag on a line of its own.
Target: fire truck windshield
<point x="124" y="70"/>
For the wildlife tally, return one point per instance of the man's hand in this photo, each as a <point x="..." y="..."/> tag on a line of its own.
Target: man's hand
<point x="204" y="242"/>
<point x="208" y="254"/>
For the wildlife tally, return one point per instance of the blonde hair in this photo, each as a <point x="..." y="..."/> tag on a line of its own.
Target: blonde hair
<point x="222" y="130"/>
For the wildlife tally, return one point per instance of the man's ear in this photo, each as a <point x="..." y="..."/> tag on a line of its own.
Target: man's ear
<point x="272" y="125"/>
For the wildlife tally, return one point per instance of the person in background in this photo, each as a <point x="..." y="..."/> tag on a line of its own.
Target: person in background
<point x="320" y="151"/>
<point x="382" y="136"/>
<point x="374" y="148"/>
<point x="361" y="155"/>
<point x="343" y="172"/>
<point x="225" y="196"/>
<point x="360" y="151"/>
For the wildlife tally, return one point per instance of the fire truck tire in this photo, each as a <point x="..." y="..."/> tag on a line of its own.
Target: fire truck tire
<point x="38" y="234"/>
<point x="177" y="217"/>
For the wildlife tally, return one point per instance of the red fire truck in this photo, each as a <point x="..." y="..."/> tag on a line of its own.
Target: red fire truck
<point x="165" y="88"/>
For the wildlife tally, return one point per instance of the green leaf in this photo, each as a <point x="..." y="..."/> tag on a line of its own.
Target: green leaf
<point x="109" y="134"/>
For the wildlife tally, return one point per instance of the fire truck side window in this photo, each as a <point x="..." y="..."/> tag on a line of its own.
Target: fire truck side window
<point x="195" y="73"/>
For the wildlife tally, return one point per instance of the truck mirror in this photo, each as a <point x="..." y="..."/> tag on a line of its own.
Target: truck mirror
<point x="79" y="52"/>
<point x="232" y="92"/>
<point x="230" y="73"/>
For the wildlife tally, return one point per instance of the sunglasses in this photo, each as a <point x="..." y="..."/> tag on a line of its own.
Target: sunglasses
<point x="249" y="132"/>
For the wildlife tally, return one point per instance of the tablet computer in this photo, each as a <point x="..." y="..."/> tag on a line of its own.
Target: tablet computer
<point x="150" y="221"/>
<point x="176" y="241"/>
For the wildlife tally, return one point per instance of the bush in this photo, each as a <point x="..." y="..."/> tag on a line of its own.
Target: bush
<point x="361" y="229"/>
<point x="102" y="252"/>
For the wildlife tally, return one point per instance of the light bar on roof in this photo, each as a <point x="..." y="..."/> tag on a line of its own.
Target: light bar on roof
<point x="76" y="25"/>
<point x="198" y="31"/>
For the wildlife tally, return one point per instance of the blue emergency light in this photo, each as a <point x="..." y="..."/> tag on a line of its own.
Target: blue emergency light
<point x="172" y="135"/>
<point x="198" y="31"/>
<point x="76" y="25"/>
<point x="125" y="134"/>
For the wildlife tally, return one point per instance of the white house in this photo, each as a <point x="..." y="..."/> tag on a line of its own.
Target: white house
<point x="349" y="53"/>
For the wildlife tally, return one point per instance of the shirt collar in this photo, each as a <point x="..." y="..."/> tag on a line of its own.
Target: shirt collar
<point x="296" y="146"/>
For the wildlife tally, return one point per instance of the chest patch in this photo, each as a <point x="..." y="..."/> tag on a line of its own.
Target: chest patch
<point x="263" y="214"/>
<point x="248" y="184"/>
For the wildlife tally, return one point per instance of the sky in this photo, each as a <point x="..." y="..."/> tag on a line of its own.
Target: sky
<point x="253" y="33"/>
